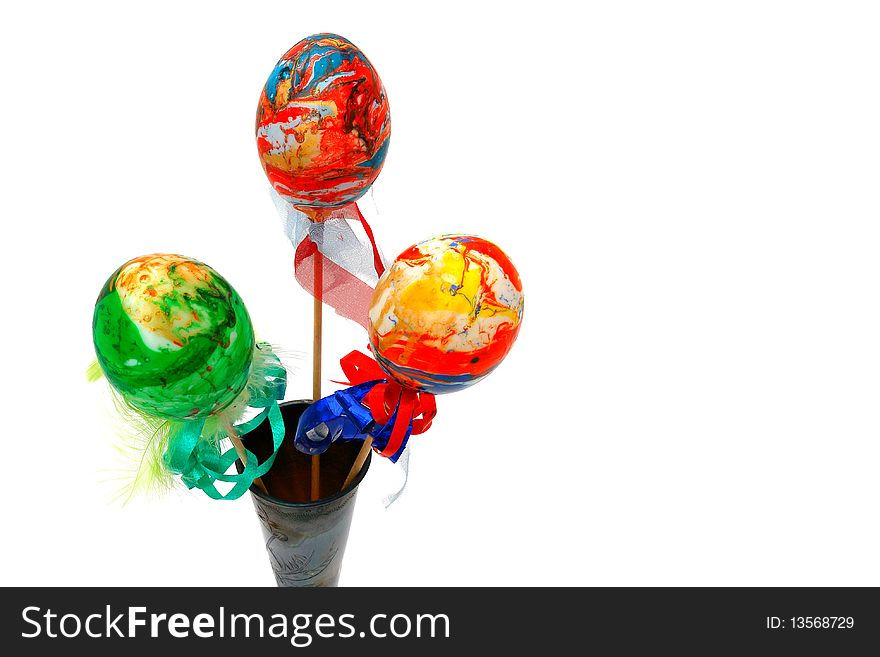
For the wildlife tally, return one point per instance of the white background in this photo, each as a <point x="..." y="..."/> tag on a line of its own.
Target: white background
<point x="689" y="190"/>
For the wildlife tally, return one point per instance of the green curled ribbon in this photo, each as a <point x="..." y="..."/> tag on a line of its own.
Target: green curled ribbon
<point x="197" y="457"/>
<point x="201" y="465"/>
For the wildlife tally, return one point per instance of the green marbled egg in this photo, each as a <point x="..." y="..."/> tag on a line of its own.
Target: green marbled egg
<point x="173" y="337"/>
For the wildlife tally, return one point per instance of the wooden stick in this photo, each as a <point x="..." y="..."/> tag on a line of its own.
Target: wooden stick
<point x="242" y="453"/>
<point x="358" y="462"/>
<point x="316" y="363"/>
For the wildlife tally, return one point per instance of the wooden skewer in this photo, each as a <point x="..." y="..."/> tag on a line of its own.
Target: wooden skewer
<point x="316" y="363"/>
<point x="358" y="462"/>
<point x="242" y="453"/>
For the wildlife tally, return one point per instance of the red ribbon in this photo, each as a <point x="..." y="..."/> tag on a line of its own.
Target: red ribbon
<point x="413" y="407"/>
<point x="333" y="283"/>
<point x="377" y="259"/>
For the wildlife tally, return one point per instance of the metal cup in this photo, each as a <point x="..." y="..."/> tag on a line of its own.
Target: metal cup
<point x="305" y="540"/>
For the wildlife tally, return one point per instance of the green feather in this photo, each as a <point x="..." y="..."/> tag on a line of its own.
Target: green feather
<point x="94" y="372"/>
<point x="142" y="441"/>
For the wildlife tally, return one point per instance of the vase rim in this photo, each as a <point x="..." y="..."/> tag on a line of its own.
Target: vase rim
<point x="256" y="492"/>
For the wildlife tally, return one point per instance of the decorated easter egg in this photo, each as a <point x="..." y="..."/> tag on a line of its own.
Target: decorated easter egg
<point x="323" y="123"/>
<point x="172" y="336"/>
<point x="445" y="313"/>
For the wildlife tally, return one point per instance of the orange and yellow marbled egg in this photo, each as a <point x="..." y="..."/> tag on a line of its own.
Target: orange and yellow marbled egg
<point x="446" y="313"/>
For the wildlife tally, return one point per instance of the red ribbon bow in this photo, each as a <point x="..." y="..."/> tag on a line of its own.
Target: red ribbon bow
<point x="413" y="407"/>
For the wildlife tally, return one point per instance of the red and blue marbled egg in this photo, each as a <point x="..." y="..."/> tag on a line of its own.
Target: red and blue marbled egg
<point x="323" y="123"/>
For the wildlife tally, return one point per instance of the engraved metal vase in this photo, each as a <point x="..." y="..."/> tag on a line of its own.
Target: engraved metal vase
<point x="305" y="539"/>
